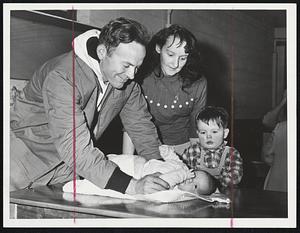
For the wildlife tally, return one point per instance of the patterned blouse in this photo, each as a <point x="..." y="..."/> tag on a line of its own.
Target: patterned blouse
<point x="224" y="163"/>
<point x="172" y="108"/>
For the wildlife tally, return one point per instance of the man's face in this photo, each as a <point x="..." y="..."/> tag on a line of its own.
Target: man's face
<point x="172" y="56"/>
<point x="121" y="63"/>
<point x="211" y="136"/>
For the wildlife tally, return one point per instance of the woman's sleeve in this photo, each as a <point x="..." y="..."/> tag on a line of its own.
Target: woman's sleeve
<point x="199" y="102"/>
<point x="137" y="122"/>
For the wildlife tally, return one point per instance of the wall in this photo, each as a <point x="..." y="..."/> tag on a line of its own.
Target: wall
<point x="239" y="51"/>
<point x="36" y="38"/>
<point x="279" y="69"/>
<point x="152" y="19"/>
<point x="24" y="44"/>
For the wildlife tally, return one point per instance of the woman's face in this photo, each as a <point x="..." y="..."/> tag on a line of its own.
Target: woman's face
<point x="172" y="56"/>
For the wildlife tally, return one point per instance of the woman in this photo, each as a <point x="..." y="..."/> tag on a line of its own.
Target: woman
<point x="173" y="86"/>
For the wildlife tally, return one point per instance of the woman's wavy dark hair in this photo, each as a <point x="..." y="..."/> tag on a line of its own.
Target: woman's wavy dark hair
<point x="191" y="71"/>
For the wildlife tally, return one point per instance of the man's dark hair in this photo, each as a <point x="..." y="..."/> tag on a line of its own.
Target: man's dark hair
<point x="122" y="30"/>
<point x="212" y="113"/>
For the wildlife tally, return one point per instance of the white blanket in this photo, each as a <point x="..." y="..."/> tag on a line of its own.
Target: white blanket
<point x="168" y="196"/>
<point x="129" y="164"/>
<point x="173" y="171"/>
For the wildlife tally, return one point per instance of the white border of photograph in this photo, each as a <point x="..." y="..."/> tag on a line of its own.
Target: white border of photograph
<point x="159" y="222"/>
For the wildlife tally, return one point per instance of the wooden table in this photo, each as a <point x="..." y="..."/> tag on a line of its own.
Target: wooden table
<point x="51" y="202"/>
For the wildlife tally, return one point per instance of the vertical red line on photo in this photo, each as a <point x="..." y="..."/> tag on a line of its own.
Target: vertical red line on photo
<point x="73" y="111"/>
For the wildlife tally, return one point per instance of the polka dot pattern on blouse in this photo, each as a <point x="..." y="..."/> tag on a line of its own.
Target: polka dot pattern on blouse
<point x="176" y="103"/>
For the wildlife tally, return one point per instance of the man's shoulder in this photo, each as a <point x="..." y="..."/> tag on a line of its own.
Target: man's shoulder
<point x="129" y="89"/>
<point x="131" y="85"/>
<point x="62" y="59"/>
<point x="69" y="66"/>
<point x="61" y="63"/>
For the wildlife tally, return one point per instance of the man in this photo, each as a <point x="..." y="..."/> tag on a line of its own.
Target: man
<point x="68" y="104"/>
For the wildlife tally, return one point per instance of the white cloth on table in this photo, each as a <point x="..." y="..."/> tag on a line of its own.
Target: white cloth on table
<point x="173" y="171"/>
<point x="167" y="196"/>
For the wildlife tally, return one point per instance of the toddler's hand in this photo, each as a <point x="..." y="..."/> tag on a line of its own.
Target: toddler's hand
<point x="174" y="164"/>
<point x="168" y="153"/>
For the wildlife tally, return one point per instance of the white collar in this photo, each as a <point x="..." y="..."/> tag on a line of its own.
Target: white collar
<point x="80" y="50"/>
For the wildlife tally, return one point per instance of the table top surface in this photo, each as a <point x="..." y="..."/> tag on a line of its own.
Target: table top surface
<point x="246" y="203"/>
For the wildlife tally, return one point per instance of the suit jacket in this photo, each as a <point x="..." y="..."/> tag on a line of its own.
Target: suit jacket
<point x="52" y="107"/>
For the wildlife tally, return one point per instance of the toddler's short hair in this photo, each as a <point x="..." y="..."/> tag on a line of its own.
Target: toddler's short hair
<point x="212" y="113"/>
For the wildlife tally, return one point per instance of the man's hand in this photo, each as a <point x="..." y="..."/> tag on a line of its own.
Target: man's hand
<point x="146" y="185"/>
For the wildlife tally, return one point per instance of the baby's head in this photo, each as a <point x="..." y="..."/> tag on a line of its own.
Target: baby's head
<point x="202" y="184"/>
<point x="212" y="126"/>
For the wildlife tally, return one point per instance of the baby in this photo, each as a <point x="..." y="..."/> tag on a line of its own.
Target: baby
<point x="202" y="184"/>
<point x="173" y="171"/>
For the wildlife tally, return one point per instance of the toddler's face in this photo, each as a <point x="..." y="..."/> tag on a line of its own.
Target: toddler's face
<point x="211" y="136"/>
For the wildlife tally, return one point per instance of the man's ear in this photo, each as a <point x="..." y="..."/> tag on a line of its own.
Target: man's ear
<point x="157" y="48"/>
<point x="226" y="131"/>
<point x="101" y="51"/>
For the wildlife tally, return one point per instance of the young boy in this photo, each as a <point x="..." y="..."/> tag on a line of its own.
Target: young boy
<point x="211" y="154"/>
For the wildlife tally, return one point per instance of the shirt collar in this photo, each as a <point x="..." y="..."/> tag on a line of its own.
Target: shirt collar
<point x="220" y="148"/>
